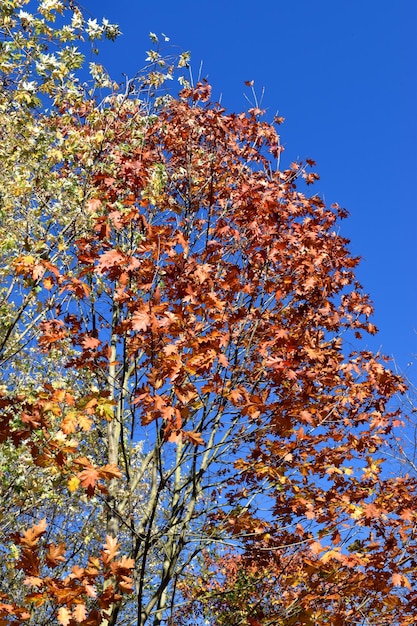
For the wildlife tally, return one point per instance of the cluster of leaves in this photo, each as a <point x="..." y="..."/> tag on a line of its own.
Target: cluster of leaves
<point x="176" y="316"/>
<point x="74" y="593"/>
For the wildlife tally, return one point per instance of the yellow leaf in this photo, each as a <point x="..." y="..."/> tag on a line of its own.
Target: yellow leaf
<point x="48" y="283"/>
<point x="357" y="512"/>
<point x="73" y="484"/>
<point x="330" y="555"/>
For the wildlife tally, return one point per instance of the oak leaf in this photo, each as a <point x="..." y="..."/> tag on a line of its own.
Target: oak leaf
<point x="31" y="537"/>
<point x="55" y="554"/>
<point x="194" y="437"/>
<point x="64" y="616"/>
<point x="79" y="612"/>
<point x="110" y="259"/>
<point x="89" y="343"/>
<point x="33" y="581"/>
<point x="111" y="549"/>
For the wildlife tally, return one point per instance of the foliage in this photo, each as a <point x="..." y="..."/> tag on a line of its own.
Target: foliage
<point x="177" y="315"/>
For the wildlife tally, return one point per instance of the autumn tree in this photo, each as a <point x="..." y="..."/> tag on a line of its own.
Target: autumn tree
<point x="39" y="216"/>
<point x="192" y="402"/>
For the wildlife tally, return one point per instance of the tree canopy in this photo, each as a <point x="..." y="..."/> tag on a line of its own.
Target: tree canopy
<point x="191" y="431"/>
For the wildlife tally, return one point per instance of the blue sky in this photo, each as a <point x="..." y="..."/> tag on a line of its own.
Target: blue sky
<point x="344" y="75"/>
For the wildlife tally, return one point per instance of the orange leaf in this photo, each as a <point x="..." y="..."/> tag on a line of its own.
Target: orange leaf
<point x="110" y="548"/>
<point x="126" y="584"/>
<point x="63" y="616"/>
<point x="89" y="343"/>
<point x="194" y="437"/>
<point x="109" y="471"/>
<point x="93" y="205"/>
<point x="33" y="581"/>
<point x="89" y="478"/>
<point x="69" y="423"/>
<point x="55" y="554"/>
<point x="109" y="260"/>
<point x="399" y="580"/>
<point x="79" y="613"/>
<point x="31" y="537"/>
<point x="316" y="547"/>
<point x="84" y="422"/>
<point x="48" y="282"/>
<point x="140" y="320"/>
<point x="125" y="563"/>
<point x="223" y="360"/>
<point x="90" y="590"/>
<point x="175" y="436"/>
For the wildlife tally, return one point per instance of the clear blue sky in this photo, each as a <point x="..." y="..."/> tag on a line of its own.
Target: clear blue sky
<point x="344" y="75"/>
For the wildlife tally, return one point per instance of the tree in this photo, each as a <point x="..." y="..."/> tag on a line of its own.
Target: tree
<point x="187" y="306"/>
<point x="40" y="215"/>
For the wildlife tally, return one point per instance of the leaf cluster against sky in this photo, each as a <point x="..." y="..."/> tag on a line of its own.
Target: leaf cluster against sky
<point x="343" y="74"/>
